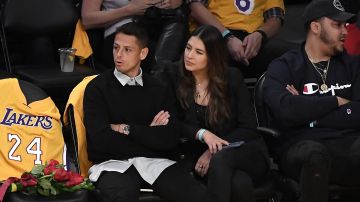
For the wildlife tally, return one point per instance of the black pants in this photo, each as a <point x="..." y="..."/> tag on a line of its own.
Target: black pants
<point x="173" y="184"/>
<point x="317" y="163"/>
<point x="234" y="172"/>
<point x="268" y="51"/>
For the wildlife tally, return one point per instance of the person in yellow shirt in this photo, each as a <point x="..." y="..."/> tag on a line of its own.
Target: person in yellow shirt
<point x="245" y="24"/>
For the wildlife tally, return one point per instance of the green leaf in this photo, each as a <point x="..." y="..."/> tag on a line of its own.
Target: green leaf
<point x="44" y="192"/>
<point x="54" y="191"/>
<point x="37" y="169"/>
<point x="30" y="190"/>
<point x="45" y="184"/>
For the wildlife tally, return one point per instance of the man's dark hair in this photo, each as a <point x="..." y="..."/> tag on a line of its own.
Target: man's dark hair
<point x="136" y="30"/>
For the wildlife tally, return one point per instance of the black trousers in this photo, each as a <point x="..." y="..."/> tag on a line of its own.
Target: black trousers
<point x="173" y="184"/>
<point x="317" y="163"/>
<point x="272" y="49"/>
<point x="234" y="172"/>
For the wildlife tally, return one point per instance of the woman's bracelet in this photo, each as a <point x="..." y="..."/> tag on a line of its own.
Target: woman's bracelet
<point x="200" y="135"/>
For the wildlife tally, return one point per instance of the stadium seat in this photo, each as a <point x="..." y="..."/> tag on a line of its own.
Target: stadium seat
<point x="18" y="135"/>
<point x="22" y="21"/>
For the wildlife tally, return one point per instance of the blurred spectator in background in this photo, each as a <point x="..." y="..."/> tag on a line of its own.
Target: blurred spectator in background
<point x="352" y="42"/>
<point x="246" y="25"/>
<point x="165" y="22"/>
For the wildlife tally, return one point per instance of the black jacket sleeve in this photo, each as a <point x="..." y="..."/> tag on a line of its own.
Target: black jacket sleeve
<point x="346" y="116"/>
<point x="292" y="110"/>
<point x="100" y="137"/>
<point x="164" y="137"/>
<point x="142" y="138"/>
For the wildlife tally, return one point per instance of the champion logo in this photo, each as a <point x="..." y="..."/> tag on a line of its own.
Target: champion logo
<point x="338" y="5"/>
<point x="310" y="88"/>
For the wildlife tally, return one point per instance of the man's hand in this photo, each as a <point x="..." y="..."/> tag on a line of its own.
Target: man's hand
<point x="202" y="165"/>
<point x="236" y="49"/>
<point x="169" y="4"/>
<point x="292" y="89"/>
<point x="214" y="142"/>
<point x="252" y="45"/>
<point x="118" y="128"/>
<point x="162" y="118"/>
<point x="342" y="101"/>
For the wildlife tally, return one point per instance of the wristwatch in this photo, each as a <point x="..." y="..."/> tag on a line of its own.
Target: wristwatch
<point x="126" y="129"/>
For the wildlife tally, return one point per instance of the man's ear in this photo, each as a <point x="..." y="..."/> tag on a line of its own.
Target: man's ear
<point x="144" y="52"/>
<point x="315" y="27"/>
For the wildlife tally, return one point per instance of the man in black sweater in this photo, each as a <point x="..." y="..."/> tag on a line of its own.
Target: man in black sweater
<point x="314" y="96"/>
<point x="130" y="134"/>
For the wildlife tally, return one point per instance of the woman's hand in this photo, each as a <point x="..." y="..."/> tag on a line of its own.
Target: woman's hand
<point x="214" y="142"/>
<point x="202" y="165"/>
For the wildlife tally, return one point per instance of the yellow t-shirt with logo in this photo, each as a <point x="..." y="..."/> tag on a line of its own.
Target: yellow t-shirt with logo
<point x="246" y="15"/>
<point x="30" y="133"/>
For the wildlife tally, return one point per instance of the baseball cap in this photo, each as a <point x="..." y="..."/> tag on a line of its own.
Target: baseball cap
<point x="326" y="8"/>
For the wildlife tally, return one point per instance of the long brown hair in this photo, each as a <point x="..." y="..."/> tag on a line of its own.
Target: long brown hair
<point x="218" y="107"/>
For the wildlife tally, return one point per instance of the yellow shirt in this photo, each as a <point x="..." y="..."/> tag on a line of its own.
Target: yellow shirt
<point x="30" y="133"/>
<point x="246" y="15"/>
<point x="76" y="100"/>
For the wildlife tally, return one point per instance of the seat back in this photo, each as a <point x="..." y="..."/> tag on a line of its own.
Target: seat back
<point x="264" y="117"/>
<point x="31" y="33"/>
<point x="23" y="19"/>
<point x="39" y="16"/>
<point x="73" y="117"/>
<point x="30" y="128"/>
<point x="260" y="106"/>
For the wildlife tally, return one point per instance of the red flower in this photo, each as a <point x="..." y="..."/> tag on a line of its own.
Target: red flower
<point x="28" y="180"/>
<point x="75" y="179"/>
<point x="53" y="163"/>
<point x="51" y="179"/>
<point x="51" y="167"/>
<point x="61" y="175"/>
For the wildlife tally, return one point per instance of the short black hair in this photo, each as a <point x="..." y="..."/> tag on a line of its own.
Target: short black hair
<point x="135" y="29"/>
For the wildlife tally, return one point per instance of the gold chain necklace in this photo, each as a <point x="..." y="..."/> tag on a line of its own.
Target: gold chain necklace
<point x="323" y="86"/>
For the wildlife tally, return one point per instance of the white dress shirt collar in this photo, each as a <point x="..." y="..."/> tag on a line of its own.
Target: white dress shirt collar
<point x="125" y="79"/>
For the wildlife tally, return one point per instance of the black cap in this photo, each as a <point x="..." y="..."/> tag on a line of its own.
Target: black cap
<point x="326" y="8"/>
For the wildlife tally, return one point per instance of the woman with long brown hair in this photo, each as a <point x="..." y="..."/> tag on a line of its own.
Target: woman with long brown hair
<point x="215" y="110"/>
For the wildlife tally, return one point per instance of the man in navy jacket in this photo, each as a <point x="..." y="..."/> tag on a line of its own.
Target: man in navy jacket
<point x="314" y="97"/>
